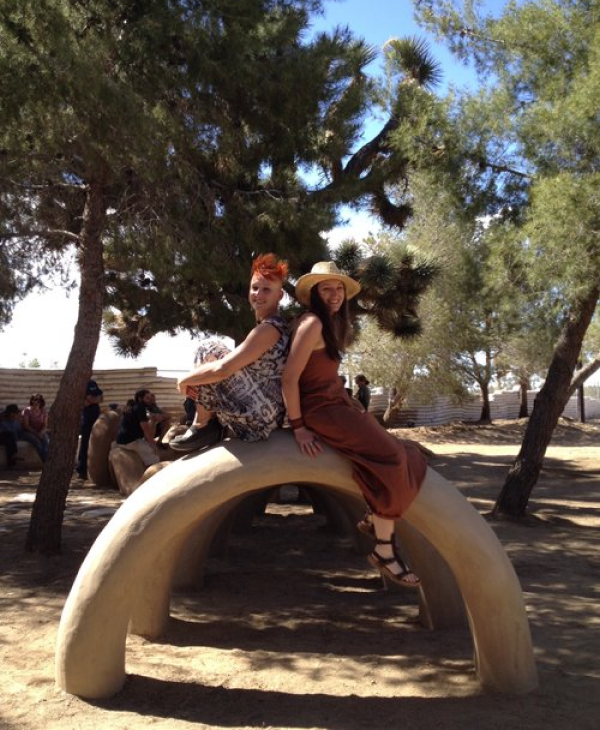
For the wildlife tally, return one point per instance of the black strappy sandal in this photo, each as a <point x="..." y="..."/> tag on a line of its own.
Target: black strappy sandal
<point x="382" y="566"/>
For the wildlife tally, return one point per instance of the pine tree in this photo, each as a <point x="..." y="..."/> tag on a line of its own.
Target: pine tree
<point x="541" y="105"/>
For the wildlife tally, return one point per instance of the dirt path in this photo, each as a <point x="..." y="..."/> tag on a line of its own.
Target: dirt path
<point x="294" y="630"/>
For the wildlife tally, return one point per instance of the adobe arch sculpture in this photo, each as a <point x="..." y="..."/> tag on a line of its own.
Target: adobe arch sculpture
<point x="104" y="432"/>
<point x="125" y="581"/>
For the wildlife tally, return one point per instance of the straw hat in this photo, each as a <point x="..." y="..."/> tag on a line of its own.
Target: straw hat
<point x="321" y="272"/>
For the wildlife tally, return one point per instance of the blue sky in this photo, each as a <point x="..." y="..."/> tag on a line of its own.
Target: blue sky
<point x="379" y="20"/>
<point x="43" y="324"/>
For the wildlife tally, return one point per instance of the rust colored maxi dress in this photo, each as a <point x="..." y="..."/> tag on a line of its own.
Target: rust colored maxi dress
<point x="389" y="472"/>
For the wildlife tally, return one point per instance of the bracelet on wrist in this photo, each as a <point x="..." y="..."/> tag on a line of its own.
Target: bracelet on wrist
<point x="296" y="423"/>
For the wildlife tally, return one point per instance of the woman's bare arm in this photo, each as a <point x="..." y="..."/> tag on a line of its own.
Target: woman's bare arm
<point x="260" y="339"/>
<point x="307" y="338"/>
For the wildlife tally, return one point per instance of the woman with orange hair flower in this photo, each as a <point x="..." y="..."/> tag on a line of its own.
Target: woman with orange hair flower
<point x="241" y="389"/>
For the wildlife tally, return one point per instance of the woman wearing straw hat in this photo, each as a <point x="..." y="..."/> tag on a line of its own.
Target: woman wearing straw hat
<point x="389" y="472"/>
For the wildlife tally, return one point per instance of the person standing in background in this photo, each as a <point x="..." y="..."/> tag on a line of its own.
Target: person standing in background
<point x="89" y="416"/>
<point x="344" y="380"/>
<point x="363" y="394"/>
<point x="9" y="432"/>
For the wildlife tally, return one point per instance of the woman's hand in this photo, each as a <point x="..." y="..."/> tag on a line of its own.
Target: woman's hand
<point x="153" y="445"/>
<point x="308" y="441"/>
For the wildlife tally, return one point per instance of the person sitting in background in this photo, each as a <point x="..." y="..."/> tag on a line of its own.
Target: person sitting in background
<point x="34" y="427"/>
<point x="9" y="432"/>
<point x="89" y="416"/>
<point x="136" y="431"/>
<point x="160" y="419"/>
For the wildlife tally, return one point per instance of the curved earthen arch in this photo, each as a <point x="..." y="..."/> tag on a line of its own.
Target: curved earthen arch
<point x="126" y="578"/>
<point x="104" y="432"/>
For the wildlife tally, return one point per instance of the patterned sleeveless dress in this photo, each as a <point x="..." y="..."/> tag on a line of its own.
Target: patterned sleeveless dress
<point x="389" y="472"/>
<point x="250" y="401"/>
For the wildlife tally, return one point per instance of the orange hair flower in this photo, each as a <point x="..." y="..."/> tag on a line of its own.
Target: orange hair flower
<point x="269" y="266"/>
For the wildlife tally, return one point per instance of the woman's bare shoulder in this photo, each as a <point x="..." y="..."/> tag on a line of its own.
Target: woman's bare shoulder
<point x="305" y="321"/>
<point x="308" y="332"/>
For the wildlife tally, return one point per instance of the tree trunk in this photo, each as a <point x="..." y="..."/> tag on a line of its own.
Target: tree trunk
<point x="45" y="527"/>
<point x="547" y="408"/>
<point x="581" y="403"/>
<point x="395" y="402"/>
<point x="524" y="407"/>
<point x="486" y="411"/>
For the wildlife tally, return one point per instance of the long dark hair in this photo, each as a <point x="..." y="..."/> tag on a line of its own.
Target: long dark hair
<point x="38" y="398"/>
<point x="336" y="328"/>
<point x="140" y="394"/>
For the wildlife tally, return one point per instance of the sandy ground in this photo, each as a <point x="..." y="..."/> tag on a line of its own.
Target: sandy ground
<point x="294" y="630"/>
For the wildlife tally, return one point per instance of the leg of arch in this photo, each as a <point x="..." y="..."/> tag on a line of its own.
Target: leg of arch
<point x="211" y="537"/>
<point x="104" y="432"/>
<point x="149" y="612"/>
<point x="181" y="564"/>
<point x="214" y="527"/>
<point x="128" y="468"/>
<point x="252" y="506"/>
<point x="90" y="658"/>
<point x="487" y="581"/>
<point x="340" y="513"/>
<point x="440" y="603"/>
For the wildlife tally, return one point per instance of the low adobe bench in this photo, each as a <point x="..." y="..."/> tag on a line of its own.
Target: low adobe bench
<point x="162" y="533"/>
<point x="27" y="456"/>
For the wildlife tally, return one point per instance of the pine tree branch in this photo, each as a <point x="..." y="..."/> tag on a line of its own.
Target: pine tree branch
<point x="273" y="193"/>
<point x="46" y="186"/>
<point x="483" y="163"/>
<point x="469" y="32"/>
<point x="49" y="233"/>
<point x="363" y="157"/>
<point x="359" y="171"/>
<point x="584" y="373"/>
<point x="75" y="237"/>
